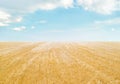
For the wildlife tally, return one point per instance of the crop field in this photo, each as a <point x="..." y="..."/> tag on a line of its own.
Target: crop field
<point x="60" y="63"/>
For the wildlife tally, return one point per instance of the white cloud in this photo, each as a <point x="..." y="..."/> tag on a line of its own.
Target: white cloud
<point x="24" y="6"/>
<point x="42" y="21"/>
<point x="18" y="19"/>
<point x="109" y="22"/>
<point x="3" y="24"/>
<point x="100" y="6"/>
<point x="32" y="5"/>
<point x="4" y="18"/>
<point x="56" y="31"/>
<point x="19" y="28"/>
<point x="33" y="27"/>
<point x="4" y="15"/>
<point x="113" y="29"/>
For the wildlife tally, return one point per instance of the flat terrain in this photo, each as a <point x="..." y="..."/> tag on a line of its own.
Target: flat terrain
<point x="60" y="63"/>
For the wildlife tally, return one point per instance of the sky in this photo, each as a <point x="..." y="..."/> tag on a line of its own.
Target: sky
<point x="60" y="20"/>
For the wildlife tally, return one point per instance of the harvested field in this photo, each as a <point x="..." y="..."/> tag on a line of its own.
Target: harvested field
<point x="60" y="63"/>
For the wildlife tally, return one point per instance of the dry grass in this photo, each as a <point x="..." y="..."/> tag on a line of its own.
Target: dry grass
<point x="60" y="63"/>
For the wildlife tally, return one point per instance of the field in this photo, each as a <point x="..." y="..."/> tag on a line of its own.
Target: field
<point x="60" y="63"/>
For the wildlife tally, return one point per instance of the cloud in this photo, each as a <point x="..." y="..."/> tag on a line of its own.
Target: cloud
<point x="8" y="7"/>
<point x="42" y="21"/>
<point x="23" y="6"/>
<point x="100" y="6"/>
<point x="113" y="29"/>
<point x="113" y="21"/>
<point x="108" y="24"/>
<point x="3" y="24"/>
<point x="56" y="31"/>
<point x="32" y="5"/>
<point x="33" y="27"/>
<point x="4" y="18"/>
<point x="18" y="19"/>
<point x="4" y="15"/>
<point x="19" y="28"/>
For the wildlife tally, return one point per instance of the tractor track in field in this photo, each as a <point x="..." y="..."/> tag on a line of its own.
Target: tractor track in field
<point x="60" y="63"/>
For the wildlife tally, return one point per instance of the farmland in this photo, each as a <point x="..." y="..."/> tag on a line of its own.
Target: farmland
<point x="60" y="63"/>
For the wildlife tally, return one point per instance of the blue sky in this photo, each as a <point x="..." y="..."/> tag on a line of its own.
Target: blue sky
<point x="63" y="20"/>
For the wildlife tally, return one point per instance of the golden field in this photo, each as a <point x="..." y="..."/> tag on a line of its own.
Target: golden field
<point x="60" y="63"/>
